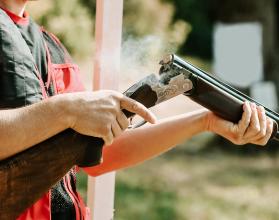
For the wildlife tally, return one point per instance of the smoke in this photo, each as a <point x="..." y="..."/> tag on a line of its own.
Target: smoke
<point x="140" y="57"/>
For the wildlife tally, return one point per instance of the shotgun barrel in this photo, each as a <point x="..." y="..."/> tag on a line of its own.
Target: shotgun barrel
<point x="212" y="93"/>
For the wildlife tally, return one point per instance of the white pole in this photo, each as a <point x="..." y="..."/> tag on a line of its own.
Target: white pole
<point x="108" y="34"/>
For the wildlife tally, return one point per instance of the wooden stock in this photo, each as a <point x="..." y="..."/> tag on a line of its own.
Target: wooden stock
<point x="25" y="177"/>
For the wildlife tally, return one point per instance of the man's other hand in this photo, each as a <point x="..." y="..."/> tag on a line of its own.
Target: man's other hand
<point x="254" y="127"/>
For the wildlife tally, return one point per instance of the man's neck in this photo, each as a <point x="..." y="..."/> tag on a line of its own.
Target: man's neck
<point x="15" y="6"/>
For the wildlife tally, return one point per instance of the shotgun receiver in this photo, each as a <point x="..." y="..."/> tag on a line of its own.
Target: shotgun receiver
<point x="210" y="92"/>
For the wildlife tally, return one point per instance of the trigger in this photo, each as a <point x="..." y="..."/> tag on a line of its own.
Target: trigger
<point x="137" y="125"/>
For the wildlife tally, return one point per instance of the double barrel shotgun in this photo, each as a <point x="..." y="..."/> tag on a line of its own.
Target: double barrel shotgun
<point x="26" y="176"/>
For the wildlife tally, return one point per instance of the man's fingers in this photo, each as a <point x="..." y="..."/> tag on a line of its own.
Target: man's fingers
<point x="246" y="117"/>
<point x="254" y="127"/>
<point x="269" y="129"/>
<point x="116" y="129"/>
<point x="122" y="120"/>
<point x="262" y="121"/>
<point x="108" y="139"/>
<point x="137" y="108"/>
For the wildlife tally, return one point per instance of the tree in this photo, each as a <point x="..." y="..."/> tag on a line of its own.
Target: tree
<point x="197" y="14"/>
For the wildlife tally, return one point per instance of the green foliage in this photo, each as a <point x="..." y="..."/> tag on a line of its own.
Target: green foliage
<point x="210" y="186"/>
<point x="72" y="23"/>
<point x="82" y="184"/>
<point x="183" y="24"/>
<point x="197" y="13"/>
<point x="90" y="5"/>
<point x="144" y="202"/>
<point x="142" y="18"/>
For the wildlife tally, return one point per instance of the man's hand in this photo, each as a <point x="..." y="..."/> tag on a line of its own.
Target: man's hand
<point x="254" y="127"/>
<point x="99" y="114"/>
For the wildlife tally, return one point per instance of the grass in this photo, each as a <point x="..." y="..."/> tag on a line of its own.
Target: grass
<point x="187" y="184"/>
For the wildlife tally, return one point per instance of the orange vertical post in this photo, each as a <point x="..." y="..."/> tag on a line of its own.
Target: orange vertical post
<point x="108" y="32"/>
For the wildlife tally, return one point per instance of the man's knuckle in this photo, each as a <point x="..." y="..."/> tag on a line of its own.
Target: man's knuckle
<point x="112" y="97"/>
<point x="257" y="129"/>
<point x="147" y="116"/>
<point x="262" y="133"/>
<point x="135" y="106"/>
<point x="249" y="112"/>
<point x="262" y="142"/>
<point x="269" y="127"/>
<point x="113" y="110"/>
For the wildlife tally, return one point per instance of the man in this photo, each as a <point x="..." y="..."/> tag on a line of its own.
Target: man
<point x="34" y="66"/>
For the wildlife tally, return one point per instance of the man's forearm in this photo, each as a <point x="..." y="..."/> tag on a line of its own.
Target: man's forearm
<point x="98" y="114"/>
<point x="24" y="127"/>
<point x="138" y="145"/>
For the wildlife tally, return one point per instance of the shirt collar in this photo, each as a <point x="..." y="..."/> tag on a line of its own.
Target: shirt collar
<point x="24" y="20"/>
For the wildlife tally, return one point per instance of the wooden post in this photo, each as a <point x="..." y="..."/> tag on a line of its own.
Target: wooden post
<point x="108" y="33"/>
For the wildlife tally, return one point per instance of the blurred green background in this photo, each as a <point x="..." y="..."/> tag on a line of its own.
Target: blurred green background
<point x="205" y="178"/>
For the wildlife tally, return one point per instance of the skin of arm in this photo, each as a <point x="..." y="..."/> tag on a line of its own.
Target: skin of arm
<point x="23" y="127"/>
<point x="95" y="114"/>
<point x="136" y="146"/>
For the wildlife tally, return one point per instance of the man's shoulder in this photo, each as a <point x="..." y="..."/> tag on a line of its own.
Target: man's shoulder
<point x="56" y="48"/>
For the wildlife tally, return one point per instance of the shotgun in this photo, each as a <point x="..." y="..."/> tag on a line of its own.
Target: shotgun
<point x="210" y="92"/>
